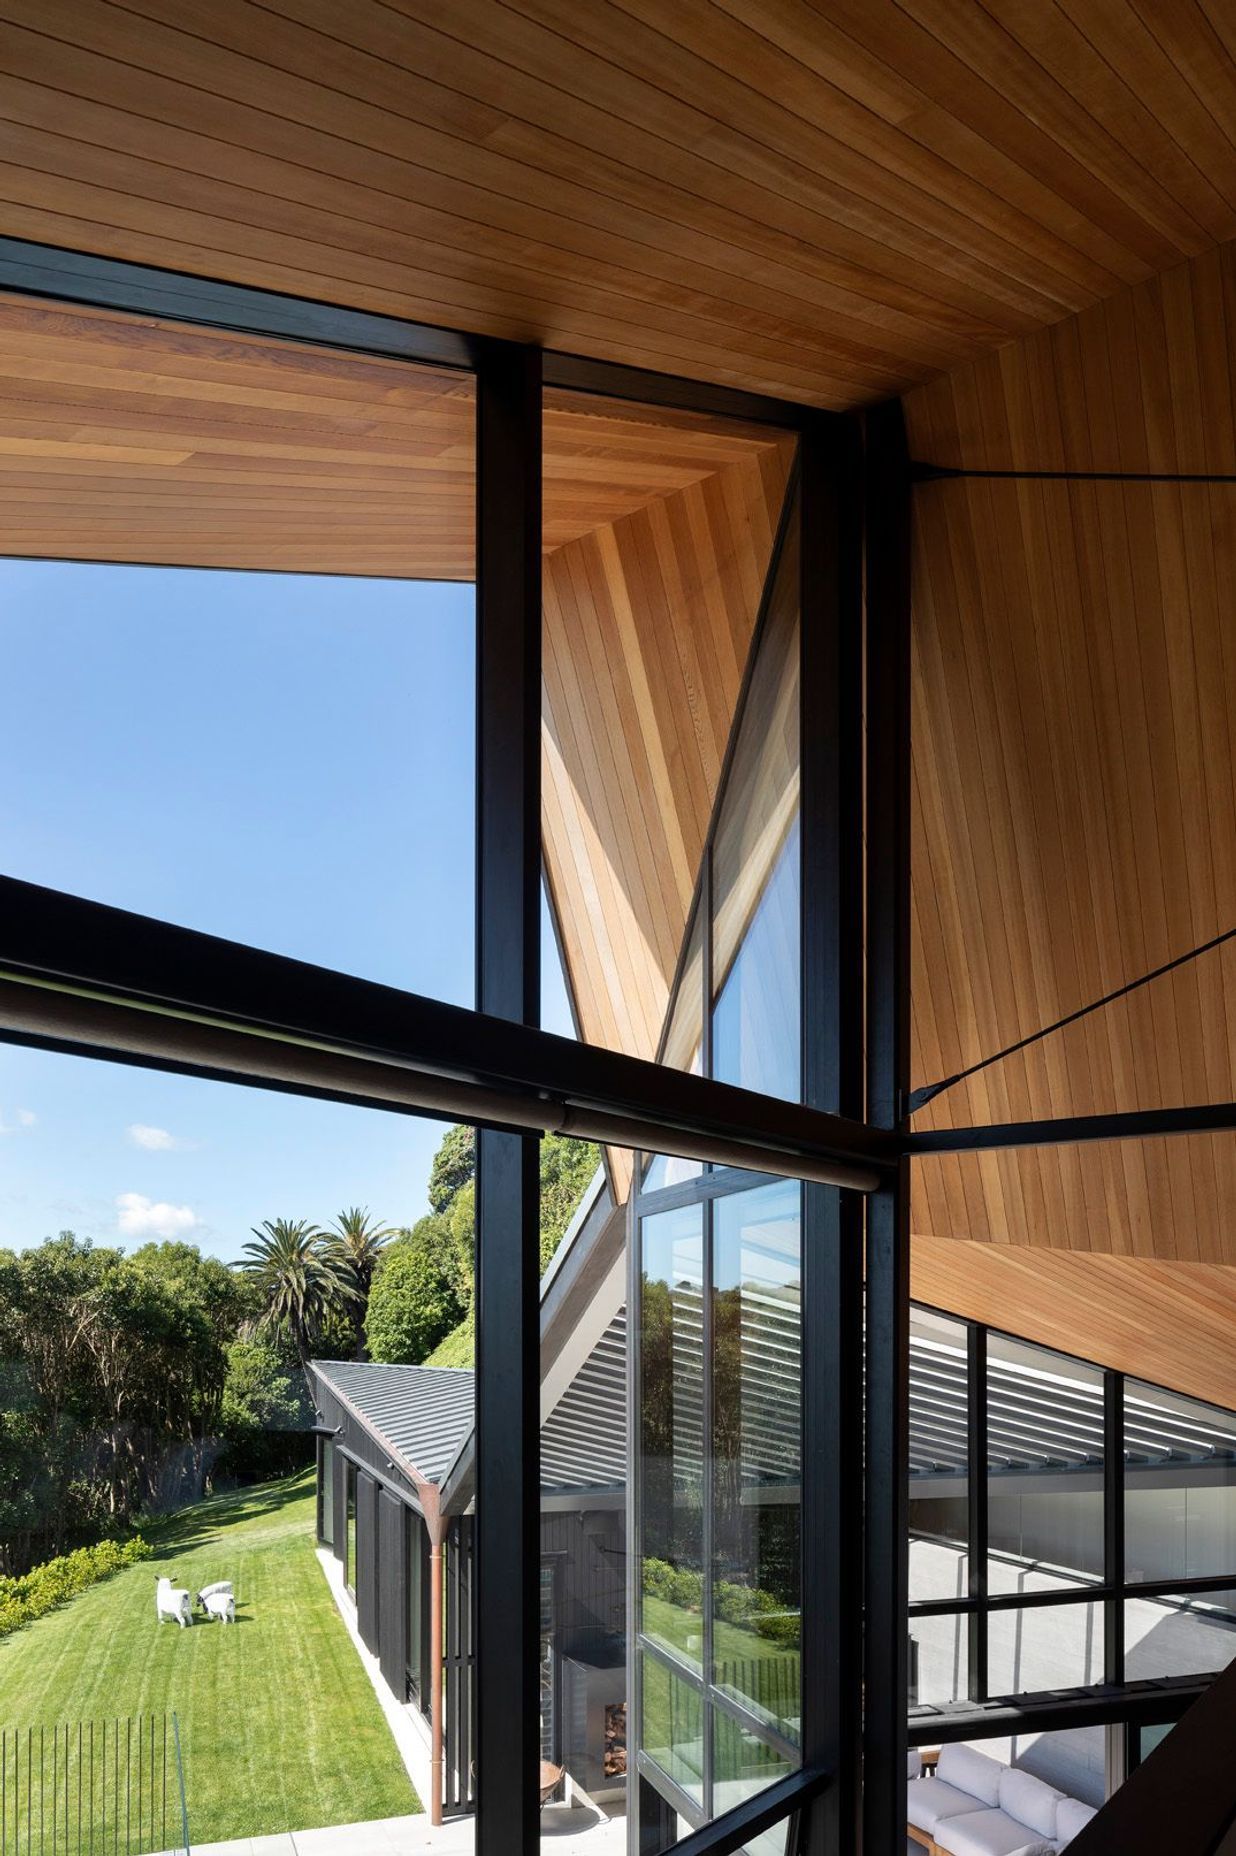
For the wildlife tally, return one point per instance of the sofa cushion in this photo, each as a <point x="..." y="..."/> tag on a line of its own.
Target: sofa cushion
<point x="973" y="1772"/>
<point x="1029" y="1800"/>
<point x="930" y="1803"/>
<point x="1071" y="1816"/>
<point x="914" y="1763"/>
<point x="990" y="1833"/>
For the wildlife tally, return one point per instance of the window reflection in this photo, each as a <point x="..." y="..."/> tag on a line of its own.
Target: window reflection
<point x="673" y="1726"/>
<point x="756" y="866"/>
<point x="939" y="1485"/>
<point x="1040" y="1647"/>
<point x="1180" y="1486"/>
<point x="672" y="1430"/>
<point x="757" y="1442"/>
<point x="1187" y="1634"/>
<point x="1044" y="1467"/>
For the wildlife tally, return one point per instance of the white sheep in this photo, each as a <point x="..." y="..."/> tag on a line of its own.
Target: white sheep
<point x="172" y="1601"/>
<point x="217" y="1601"/>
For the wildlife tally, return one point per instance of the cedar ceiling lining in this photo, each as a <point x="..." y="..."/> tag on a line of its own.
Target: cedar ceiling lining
<point x="1075" y="770"/>
<point x="132" y="439"/>
<point x="824" y="204"/>
<point x="1093" y="1306"/>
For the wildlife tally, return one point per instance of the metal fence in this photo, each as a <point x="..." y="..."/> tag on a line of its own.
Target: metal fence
<point x="93" y="1788"/>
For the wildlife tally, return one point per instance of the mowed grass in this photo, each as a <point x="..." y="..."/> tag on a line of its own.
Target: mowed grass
<point x="279" y="1725"/>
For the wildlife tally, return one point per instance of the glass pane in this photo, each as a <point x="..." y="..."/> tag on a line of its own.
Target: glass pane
<point x="254" y="601"/>
<point x="349" y="1561"/>
<point x="756" y="865"/>
<point x="673" y="1726"/>
<point x="743" y="1764"/>
<point x="1180" y="1486"/>
<point x="683" y="1051"/>
<point x="1040" y="1647"/>
<point x="1184" y="1635"/>
<point x="939" y="1660"/>
<point x="757" y="1450"/>
<point x="326" y="1495"/>
<point x="659" y="529"/>
<point x="939" y="1486"/>
<point x="672" y="1430"/>
<point x="1044" y="1468"/>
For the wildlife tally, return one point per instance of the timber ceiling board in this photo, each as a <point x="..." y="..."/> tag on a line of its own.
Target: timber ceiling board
<point x="1098" y="1307"/>
<point x="132" y="439"/>
<point x="1075" y="768"/>
<point x="827" y="202"/>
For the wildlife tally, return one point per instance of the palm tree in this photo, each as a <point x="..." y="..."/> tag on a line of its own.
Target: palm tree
<point x="299" y="1278"/>
<point x="356" y="1244"/>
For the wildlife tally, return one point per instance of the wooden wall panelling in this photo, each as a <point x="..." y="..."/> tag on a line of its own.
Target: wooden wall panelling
<point x="1075" y="774"/>
<point x="829" y="205"/>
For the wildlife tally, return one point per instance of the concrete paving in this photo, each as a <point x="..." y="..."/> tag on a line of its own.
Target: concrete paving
<point x="567" y="1830"/>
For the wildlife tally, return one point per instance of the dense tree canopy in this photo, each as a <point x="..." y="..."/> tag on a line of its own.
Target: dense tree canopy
<point x="127" y="1381"/>
<point x="567" y="1166"/>
<point x="415" y="1298"/>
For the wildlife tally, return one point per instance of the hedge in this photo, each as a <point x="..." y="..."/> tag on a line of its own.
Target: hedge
<point x="744" y="1605"/>
<point x="44" y="1587"/>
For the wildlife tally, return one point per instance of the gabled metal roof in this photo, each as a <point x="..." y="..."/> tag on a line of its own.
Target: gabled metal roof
<point x="423" y="1413"/>
<point x="584" y="1438"/>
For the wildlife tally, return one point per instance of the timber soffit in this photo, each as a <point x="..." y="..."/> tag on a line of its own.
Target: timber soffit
<point x="833" y="203"/>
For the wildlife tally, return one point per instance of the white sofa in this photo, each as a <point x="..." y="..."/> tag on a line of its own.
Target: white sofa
<point x="978" y="1806"/>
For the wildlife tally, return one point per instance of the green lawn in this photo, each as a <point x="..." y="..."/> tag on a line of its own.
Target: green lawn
<point x="280" y="1727"/>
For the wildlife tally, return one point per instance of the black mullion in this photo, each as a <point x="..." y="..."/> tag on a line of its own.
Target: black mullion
<point x="976" y="1457"/>
<point x="1113" y="1525"/>
<point x="507" y="1545"/>
<point x="831" y="734"/>
<point x="646" y="1821"/>
<point x="887" y="552"/>
<point x="707" y="1531"/>
<point x="706" y="958"/>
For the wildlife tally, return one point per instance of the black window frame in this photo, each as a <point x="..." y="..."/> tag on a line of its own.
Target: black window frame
<point x="1111" y="1590"/>
<point x="93" y="981"/>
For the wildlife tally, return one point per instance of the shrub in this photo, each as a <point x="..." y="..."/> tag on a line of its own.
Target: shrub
<point x="44" y="1587"/>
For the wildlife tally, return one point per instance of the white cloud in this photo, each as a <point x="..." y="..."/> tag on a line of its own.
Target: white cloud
<point x="139" y="1216"/>
<point x="154" y="1140"/>
<point x="22" y="1118"/>
<point x="26" y="1118"/>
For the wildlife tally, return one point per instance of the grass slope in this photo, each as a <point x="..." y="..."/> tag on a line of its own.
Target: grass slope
<point x="280" y="1727"/>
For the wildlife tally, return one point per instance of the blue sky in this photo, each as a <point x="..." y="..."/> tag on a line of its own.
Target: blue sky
<point x="284" y="760"/>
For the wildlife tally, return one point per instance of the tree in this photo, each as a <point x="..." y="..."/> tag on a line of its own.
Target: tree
<point x="567" y="1166"/>
<point x="454" y="1165"/>
<point x="298" y="1278"/>
<point x="356" y="1243"/>
<point x="260" y="1393"/>
<point x="414" y="1302"/>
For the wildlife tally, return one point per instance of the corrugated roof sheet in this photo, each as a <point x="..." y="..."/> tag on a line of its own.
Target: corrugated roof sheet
<point x="423" y="1412"/>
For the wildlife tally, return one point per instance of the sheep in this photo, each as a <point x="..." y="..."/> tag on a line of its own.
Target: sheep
<point x="217" y="1601"/>
<point x="172" y="1601"/>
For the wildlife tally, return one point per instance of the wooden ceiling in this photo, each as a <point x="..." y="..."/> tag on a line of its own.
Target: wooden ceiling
<point x="1075" y="768"/>
<point x="831" y="203"/>
<point x="1171" y="1323"/>
<point x="827" y="202"/>
<point x="132" y="439"/>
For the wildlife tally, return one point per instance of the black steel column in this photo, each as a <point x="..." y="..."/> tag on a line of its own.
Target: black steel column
<point x="1113" y="1526"/>
<point x="976" y="1490"/>
<point x="887" y="534"/>
<point x="507" y="1562"/>
<point x="832" y="1020"/>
